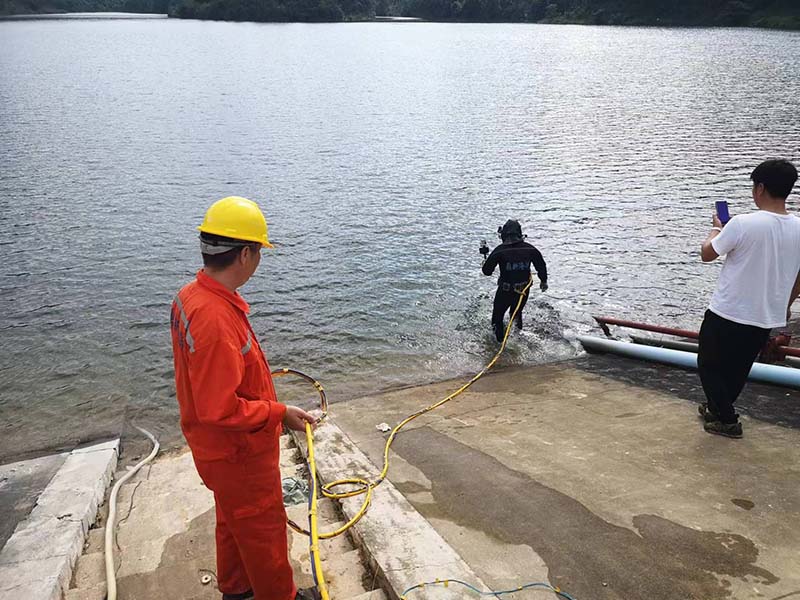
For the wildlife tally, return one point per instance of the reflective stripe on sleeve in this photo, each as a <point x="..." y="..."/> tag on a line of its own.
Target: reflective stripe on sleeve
<point x="185" y="321"/>
<point x="248" y="345"/>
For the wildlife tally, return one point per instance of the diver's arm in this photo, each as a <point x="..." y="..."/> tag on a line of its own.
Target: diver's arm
<point x="491" y="262"/>
<point x="541" y="268"/>
<point x="539" y="265"/>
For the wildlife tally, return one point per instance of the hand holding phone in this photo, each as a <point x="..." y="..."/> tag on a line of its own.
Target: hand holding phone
<point x="722" y="211"/>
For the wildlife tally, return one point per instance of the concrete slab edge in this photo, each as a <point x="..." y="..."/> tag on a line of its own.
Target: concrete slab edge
<point x="401" y="547"/>
<point x="36" y="562"/>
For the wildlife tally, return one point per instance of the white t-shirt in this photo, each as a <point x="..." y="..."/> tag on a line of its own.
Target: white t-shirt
<point x="762" y="262"/>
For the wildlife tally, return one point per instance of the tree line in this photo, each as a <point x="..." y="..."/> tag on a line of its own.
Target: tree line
<point x="614" y="12"/>
<point x="23" y="7"/>
<point x="275" y="10"/>
<point x="764" y="13"/>
<point x="760" y="13"/>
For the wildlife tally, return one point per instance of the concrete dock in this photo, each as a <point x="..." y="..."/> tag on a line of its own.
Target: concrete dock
<point x="52" y="503"/>
<point x="595" y="475"/>
<point x="165" y="540"/>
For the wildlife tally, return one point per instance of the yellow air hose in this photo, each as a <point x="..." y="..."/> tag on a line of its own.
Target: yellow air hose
<point x="365" y="487"/>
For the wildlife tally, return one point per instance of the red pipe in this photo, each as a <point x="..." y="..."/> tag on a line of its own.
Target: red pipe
<point x="685" y="333"/>
<point x="602" y="321"/>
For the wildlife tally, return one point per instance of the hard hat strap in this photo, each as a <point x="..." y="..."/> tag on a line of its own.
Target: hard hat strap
<point x="207" y="247"/>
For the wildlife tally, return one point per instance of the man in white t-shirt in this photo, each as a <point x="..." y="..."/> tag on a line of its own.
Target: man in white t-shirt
<point x="758" y="283"/>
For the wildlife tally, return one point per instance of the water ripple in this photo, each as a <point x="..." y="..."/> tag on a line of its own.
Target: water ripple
<point x="381" y="155"/>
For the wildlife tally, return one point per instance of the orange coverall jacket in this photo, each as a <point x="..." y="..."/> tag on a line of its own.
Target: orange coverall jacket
<point x="232" y="422"/>
<point x="227" y="399"/>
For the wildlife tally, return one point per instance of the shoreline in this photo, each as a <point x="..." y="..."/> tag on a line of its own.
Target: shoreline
<point x="171" y="437"/>
<point x="100" y="15"/>
<point x="87" y="16"/>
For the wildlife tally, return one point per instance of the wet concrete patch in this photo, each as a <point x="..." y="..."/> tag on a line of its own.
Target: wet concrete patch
<point x="186" y="557"/>
<point x="585" y="555"/>
<point x="771" y="404"/>
<point x="20" y="486"/>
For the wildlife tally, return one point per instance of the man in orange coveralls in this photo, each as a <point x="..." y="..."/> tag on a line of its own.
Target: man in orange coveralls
<point x="229" y="412"/>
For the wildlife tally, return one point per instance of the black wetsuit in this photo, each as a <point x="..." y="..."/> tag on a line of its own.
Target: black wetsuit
<point x="515" y="261"/>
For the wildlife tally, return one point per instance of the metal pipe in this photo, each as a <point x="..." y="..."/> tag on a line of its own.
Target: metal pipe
<point x="789" y="351"/>
<point x="685" y="333"/>
<point x="645" y="327"/>
<point x="785" y="376"/>
<point x="671" y="344"/>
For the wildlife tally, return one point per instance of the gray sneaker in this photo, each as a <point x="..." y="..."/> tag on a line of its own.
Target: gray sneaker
<point x="248" y="595"/>
<point x="308" y="594"/>
<point x="731" y="430"/>
<point x="707" y="415"/>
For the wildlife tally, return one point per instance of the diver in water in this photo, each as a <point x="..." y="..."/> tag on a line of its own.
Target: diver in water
<point x="515" y="257"/>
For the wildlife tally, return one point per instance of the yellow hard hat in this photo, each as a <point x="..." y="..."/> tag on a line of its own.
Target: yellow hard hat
<point x="237" y="218"/>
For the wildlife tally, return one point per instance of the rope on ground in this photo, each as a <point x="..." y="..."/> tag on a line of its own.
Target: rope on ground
<point x="111" y="576"/>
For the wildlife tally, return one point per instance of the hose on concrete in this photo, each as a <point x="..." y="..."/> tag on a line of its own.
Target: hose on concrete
<point x="496" y="593"/>
<point x="111" y="523"/>
<point x="364" y="487"/>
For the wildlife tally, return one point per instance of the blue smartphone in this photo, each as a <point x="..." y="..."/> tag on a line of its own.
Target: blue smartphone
<point x="722" y="211"/>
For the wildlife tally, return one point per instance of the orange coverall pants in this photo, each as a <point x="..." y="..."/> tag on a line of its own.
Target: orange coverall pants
<point x="251" y="534"/>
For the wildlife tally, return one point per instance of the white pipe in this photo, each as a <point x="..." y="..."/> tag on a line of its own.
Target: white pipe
<point x="111" y="576"/>
<point x="785" y="376"/>
<point x="790" y="361"/>
<point x="659" y="343"/>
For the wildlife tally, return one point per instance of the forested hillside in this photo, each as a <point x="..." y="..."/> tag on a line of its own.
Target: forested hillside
<point x="760" y="13"/>
<point x="728" y="13"/>
<point x="22" y="7"/>
<point x="774" y="13"/>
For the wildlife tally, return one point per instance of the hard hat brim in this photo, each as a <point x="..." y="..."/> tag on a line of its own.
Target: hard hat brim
<point x="213" y="231"/>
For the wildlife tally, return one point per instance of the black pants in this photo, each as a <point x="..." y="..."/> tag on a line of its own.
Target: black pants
<point x="506" y="302"/>
<point x="727" y="351"/>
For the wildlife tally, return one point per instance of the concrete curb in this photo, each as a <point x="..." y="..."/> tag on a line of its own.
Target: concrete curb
<point x="37" y="561"/>
<point x="402" y="548"/>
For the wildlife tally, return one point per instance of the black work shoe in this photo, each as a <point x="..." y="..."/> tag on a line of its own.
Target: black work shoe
<point x="308" y="594"/>
<point x="731" y="430"/>
<point x="707" y="415"/>
<point x="243" y="596"/>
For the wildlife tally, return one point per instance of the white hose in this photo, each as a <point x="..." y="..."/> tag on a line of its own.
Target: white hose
<point x="111" y="576"/>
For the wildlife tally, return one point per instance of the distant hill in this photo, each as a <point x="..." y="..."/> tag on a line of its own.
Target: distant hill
<point x="26" y="7"/>
<point x="769" y="13"/>
<point x="729" y="13"/>
<point x="783" y="14"/>
<point x="276" y="10"/>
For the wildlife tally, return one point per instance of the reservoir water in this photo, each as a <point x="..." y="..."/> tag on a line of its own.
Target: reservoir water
<point x="382" y="153"/>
